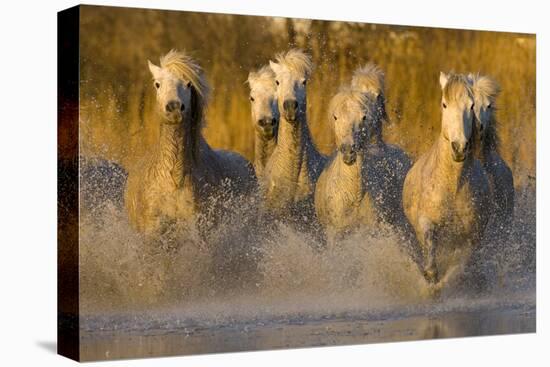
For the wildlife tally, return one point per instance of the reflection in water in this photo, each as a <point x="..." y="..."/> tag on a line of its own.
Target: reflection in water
<point x="302" y="333"/>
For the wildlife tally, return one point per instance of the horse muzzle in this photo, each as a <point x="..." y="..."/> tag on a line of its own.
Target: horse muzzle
<point x="267" y="126"/>
<point x="290" y="108"/>
<point x="291" y="117"/>
<point x="173" y="117"/>
<point x="460" y="151"/>
<point x="173" y="111"/>
<point x="349" y="154"/>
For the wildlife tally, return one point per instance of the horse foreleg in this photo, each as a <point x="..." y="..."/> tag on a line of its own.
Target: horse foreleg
<point x="430" y="267"/>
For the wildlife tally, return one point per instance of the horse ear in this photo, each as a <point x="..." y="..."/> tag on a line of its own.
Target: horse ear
<point x="155" y="70"/>
<point x="443" y="78"/>
<point x="274" y="66"/>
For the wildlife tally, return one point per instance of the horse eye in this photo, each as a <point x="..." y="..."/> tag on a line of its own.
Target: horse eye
<point x="304" y="82"/>
<point x="251" y="98"/>
<point x="444" y="105"/>
<point x="157" y="85"/>
<point x="335" y="118"/>
<point x="277" y="82"/>
<point x="364" y="117"/>
<point x="472" y="107"/>
<point x="489" y="105"/>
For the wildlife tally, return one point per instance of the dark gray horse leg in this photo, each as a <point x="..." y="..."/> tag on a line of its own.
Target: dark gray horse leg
<point x="430" y="268"/>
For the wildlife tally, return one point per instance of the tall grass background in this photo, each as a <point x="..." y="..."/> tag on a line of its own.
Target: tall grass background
<point x="119" y="121"/>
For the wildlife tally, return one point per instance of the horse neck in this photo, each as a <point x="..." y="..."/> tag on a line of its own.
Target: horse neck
<point x="376" y="138"/>
<point x="351" y="176"/>
<point x="375" y="141"/>
<point x="293" y="137"/>
<point x="489" y="143"/>
<point x="179" y="150"/>
<point x="263" y="148"/>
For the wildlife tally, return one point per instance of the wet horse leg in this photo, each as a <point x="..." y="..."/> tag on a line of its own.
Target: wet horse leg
<point x="430" y="268"/>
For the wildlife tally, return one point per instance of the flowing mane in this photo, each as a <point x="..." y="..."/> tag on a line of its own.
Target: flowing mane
<point x="369" y="79"/>
<point x="296" y="61"/>
<point x="457" y="88"/>
<point x="489" y="89"/>
<point x="185" y="68"/>
<point x="350" y="99"/>
<point x="264" y="77"/>
<point x="485" y="86"/>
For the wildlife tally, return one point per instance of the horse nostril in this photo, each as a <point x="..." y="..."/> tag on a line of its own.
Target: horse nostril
<point x="172" y="106"/>
<point x="182" y="108"/>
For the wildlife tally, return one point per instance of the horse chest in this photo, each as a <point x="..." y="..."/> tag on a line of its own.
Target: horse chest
<point x="174" y="202"/>
<point x="288" y="181"/>
<point x="459" y="212"/>
<point x="345" y="202"/>
<point x="342" y="202"/>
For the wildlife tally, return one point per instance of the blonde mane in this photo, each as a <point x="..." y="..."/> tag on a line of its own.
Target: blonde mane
<point x="369" y="79"/>
<point x="184" y="67"/>
<point x="296" y="61"/>
<point x="457" y="88"/>
<point x="350" y="99"/>
<point x="484" y="86"/>
<point x="487" y="87"/>
<point x="264" y="77"/>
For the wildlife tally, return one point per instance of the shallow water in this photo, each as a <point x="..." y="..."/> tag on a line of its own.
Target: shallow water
<point x="173" y="338"/>
<point x="257" y="285"/>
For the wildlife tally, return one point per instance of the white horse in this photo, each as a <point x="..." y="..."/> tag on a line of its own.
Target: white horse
<point x="265" y="115"/>
<point x="344" y="198"/>
<point x="177" y="179"/>
<point x="295" y="165"/>
<point x="445" y="195"/>
<point x="501" y="180"/>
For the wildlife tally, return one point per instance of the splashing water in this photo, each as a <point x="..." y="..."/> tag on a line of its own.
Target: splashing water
<point x="249" y="271"/>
